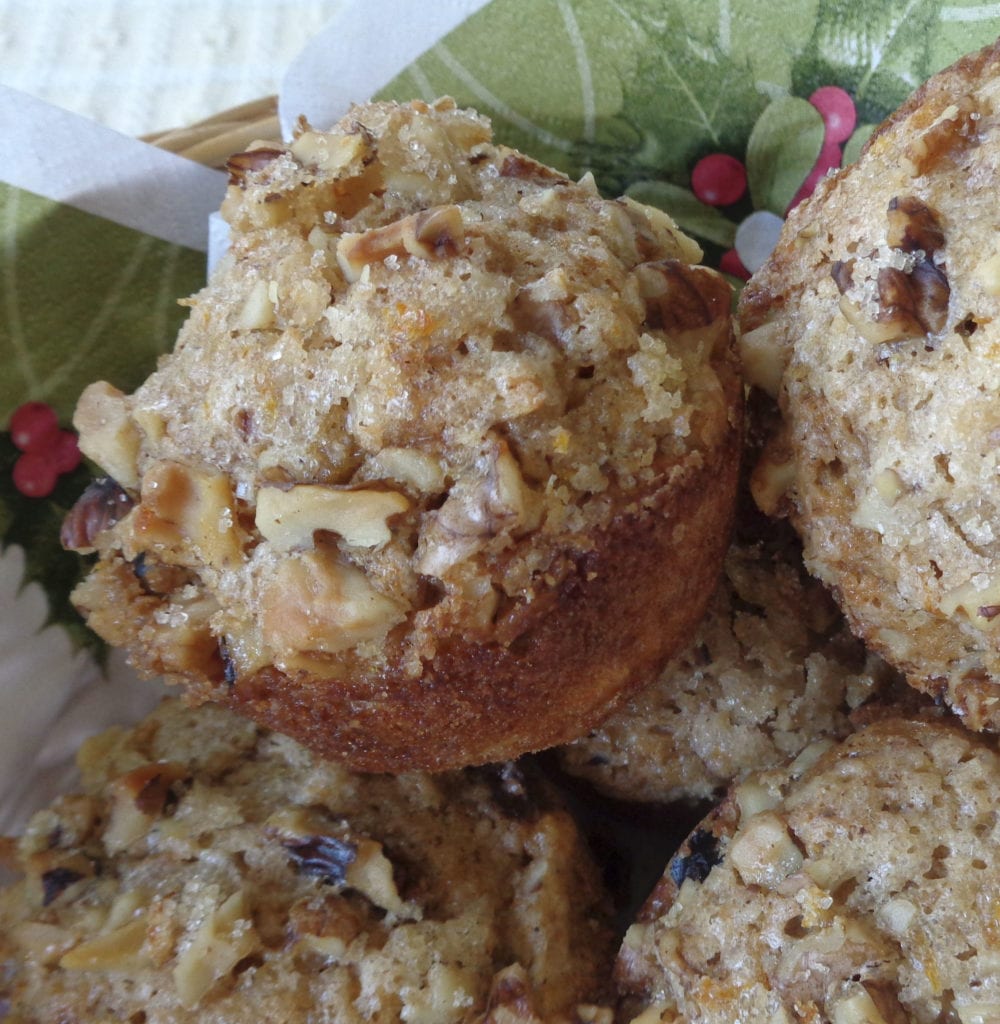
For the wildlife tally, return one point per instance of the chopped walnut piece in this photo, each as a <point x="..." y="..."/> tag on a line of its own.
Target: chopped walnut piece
<point x="120" y="949"/>
<point x="326" y="924"/>
<point x="42" y="943"/>
<point x="774" y="476"/>
<point x="913" y="304"/>
<point x="55" y="872"/>
<point x="331" y="153"/>
<point x="187" y="517"/>
<point x="517" y="165"/>
<point x="429" y="234"/>
<point x="288" y="519"/>
<point x="139" y="799"/>
<point x="681" y="297"/>
<point x="411" y="467"/>
<point x="316" y="603"/>
<point x="914" y="225"/>
<point x="107" y="433"/>
<point x="224" y="938"/>
<point x="257" y="311"/>
<point x="912" y="295"/>
<point x="371" y="874"/>
<point x="763" y="852"/>
<point x="496" y="500"/>
<point x="764" y="357"/>
<point x="664" y="229"/>
<point x="856" y="1008"/>
<point x="511" y="998"/>
<point x="239" y="165"/>
<point x="953" y="129"/>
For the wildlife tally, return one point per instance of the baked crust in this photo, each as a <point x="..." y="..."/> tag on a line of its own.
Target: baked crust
<point x="443" y="462"/>
<point x="573" y="654"/>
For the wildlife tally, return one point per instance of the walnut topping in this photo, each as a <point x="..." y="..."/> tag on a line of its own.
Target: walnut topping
<point x="100" y="506"/>
<point x="900" y="291"/>
<point x="257" y="312"/>
<point x="410" y="467"/>
<point x="316" y="603"/>
<point x="327" y="924"/>
<point x="120" y="949"/>
<point x="57" y="873"/>
<point x="953" y="129"/>
<point x="224" y="938"/>
<point x="856" y="1008"/>
<point x="975" y="599"/>
<point x="914" y="225"/>
<point x="240" y="165"/>
<point x="914" y="303"/>
<point x="332" y="153"/>
<point x="680" y="297"/>
<point x="288" y="519"/>
<point x="763" y="852"/>
<point x="187" y="517"/>
<point x="107" y="433"/>
<point x="764" y="355"/>
<point x="429" y="234"/>
<point x="496" y="499"/>
<point x="510" y="998"/>
<point x="139" y="799"/>
<point x="517" y="165"/>
<point x="371" y="874"/>
<point x="773" y="478"/>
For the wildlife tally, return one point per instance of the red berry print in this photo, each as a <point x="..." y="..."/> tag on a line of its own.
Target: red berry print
<point x="829" y="159"/>
<point x="719" y="179"/>
<point x="838" y="110"/>
<point x="48" y="452"/>
<point x="730" y="263"/>
<point x="65" y="452"/>
<point x="34" y="475"/>
<point x="33" y="426"/>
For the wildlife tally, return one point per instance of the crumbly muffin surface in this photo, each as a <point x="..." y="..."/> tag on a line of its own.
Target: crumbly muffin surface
<point x="875" y="326"/>
<point x="858" y="884"/>
<point x="212" y="871"/>
<point x="771" y="668"/>
<point x="432" y="379"/>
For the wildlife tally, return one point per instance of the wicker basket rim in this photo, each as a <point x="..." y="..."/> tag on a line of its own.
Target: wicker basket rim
<point x="213" y="140"/>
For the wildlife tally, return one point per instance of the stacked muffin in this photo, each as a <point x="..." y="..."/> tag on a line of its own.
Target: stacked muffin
<point x="442" y="471"/>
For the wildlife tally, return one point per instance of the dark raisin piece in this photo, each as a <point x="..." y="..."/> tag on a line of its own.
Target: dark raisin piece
<point x="324" y="856"/>
<point x="56" y="881"/>
<point x="702" y="854"/>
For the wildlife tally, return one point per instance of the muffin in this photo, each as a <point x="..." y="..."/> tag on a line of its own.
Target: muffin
<point x="771" y="668"/>
<point x="210" y="871"/>
<point x="443" y="462"/>
<point x="857" y="884"/>
<point x="874" y="325"/>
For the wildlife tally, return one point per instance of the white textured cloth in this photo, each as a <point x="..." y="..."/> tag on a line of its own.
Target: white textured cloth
<point x="144" y="65"/>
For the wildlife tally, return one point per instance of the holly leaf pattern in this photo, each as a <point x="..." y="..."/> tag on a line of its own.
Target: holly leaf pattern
<point x="630" y="91"/>
<point x="83" y="299"/>
<point x="782" y="149"/>
<point x="691" y="215"/>
<point x="881" y="52"/>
